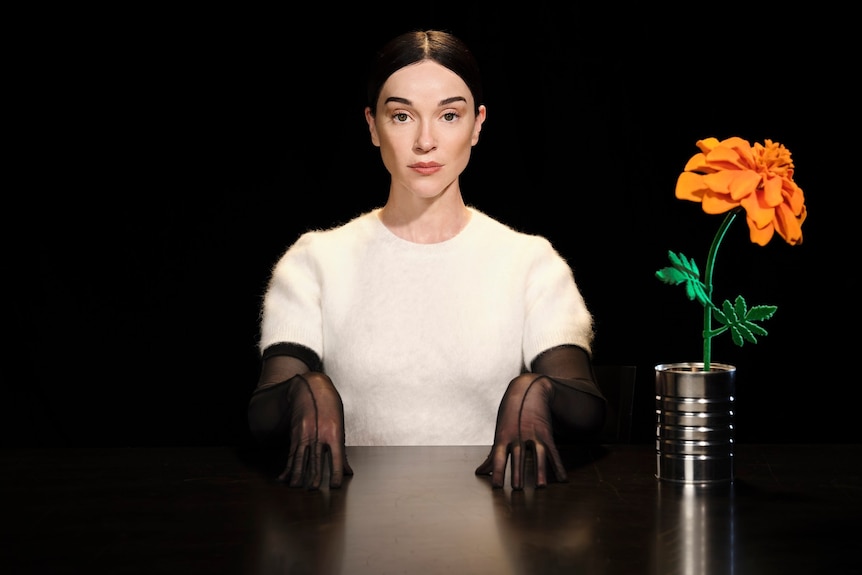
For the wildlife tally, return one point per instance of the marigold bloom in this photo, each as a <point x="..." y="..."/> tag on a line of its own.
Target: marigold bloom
<point x="731" y="173"/>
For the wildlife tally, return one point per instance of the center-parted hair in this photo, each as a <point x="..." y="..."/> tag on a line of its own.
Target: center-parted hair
<point x="412" y="47"/>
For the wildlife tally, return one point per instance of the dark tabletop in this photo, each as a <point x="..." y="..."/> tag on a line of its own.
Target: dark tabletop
<point x="790" y="509"/>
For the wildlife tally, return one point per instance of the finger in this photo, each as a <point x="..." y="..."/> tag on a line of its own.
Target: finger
<point x="557" y="463"/>
<point x="315" y="466"/>
<point x="337" y="466"/>
<point x="517" y="466"/>
<point x="541" y="465"/>
<point x="486" y="468"/>
<point x="500" y="456"/>
<point x="291" y="457"/>
<point x="297" y="470"/>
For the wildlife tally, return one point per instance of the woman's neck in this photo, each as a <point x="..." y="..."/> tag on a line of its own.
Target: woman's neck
<point x="426" y="221"/>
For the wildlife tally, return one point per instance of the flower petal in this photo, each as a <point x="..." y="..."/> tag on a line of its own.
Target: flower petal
<point x="757" y="212"/>
<point x="727" y="158"/>
<point x="789" y="227"/>
<point x="743" y="150"/>
<point x="793" y="196"/>
<point x="707" y="144"/>
<point x="735" y="183"/>
<point x="690" y="187"/>
<point x="697" y="163"/>
<point x="718" y="203"/>
<point x="772" y="195"/>
<point x="760" y="236"/>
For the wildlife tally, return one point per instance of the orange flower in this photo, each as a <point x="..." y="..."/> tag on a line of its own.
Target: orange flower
<point x="731" y="173"/>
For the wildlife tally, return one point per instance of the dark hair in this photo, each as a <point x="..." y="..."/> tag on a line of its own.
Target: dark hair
<point x="411" y="47"/>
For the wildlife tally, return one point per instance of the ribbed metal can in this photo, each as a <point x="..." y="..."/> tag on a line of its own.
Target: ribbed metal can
<point x="694" y="422"/>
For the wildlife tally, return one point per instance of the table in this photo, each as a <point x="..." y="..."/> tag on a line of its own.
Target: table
<point x="791" y="509"/>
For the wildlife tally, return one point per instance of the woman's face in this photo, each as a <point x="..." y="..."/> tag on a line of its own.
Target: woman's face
<point x="425" y="127"/>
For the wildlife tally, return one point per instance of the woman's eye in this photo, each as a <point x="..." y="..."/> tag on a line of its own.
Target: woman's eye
<point x="450" y="116"/>
<point x="400" y="117"/>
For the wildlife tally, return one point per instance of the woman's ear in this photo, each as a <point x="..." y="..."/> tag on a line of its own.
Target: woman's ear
<point x="372" y="127"/>
<point x="477" y="123"/>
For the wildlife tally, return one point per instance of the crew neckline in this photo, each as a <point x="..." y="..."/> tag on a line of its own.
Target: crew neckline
<point x="375" y="214"/>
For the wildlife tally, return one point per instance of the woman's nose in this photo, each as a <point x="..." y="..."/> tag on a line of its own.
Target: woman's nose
<point x="425" y="140"/>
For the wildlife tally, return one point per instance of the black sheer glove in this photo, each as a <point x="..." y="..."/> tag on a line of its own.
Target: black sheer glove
<point x="560" y="389"/>
<point x="578" y="406"/>
<point x="307" y="411"/>
<point x="524" y="423"/>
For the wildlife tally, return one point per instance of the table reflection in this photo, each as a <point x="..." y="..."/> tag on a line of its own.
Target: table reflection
<point x="300" y="531"/>
<point x="552" y="530"/>
<point x="424" y="510"/>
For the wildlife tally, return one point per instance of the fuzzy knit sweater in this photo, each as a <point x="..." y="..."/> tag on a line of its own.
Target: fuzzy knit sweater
<point x="422" y="340"/>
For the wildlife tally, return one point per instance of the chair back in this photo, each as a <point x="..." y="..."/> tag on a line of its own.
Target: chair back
<point x="617" y="383"/>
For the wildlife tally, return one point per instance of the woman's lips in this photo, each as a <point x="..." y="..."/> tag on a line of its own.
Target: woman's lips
<point x="426" y="168"/>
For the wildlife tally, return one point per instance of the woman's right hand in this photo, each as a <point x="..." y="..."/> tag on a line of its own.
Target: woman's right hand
<point x="316" y="432"/>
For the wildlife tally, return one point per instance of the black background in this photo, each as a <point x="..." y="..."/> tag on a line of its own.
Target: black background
<point x="180" y="152"/>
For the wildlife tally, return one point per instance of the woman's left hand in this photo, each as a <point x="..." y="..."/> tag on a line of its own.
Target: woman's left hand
<point x="524" y="423"/>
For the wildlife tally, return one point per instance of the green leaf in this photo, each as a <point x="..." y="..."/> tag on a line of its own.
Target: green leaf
<point x="756" y="329"/>
<point x="742" y="331"/>
<point x="671" y="276"/>
<point x="739" y="307"/>
<point x="684" y="271"/>
<point x="736" y="337"/>
<point x="761" y="312"/>
<point x="731" y="312"/>
<point x="740" y="320"/>
<point x="681" y="262"/>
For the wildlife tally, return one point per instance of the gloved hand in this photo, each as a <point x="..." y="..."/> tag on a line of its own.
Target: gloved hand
<point x="308" y="410"/>
<point x="561" y="390"/>
<point x="524" y="423"/>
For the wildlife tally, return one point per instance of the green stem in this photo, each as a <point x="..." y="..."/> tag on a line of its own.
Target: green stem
<point x="707" y="282"/>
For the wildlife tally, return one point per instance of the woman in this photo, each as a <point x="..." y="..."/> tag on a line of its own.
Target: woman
<point x="424" y="321"/>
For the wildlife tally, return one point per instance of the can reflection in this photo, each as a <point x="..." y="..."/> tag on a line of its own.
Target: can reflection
<point x="695" y="531"/>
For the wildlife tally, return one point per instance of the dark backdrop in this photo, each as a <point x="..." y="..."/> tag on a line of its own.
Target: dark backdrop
<point x="182" y="152"/>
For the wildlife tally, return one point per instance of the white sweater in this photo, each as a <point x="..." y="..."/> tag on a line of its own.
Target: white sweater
<point x="422" y="340"/>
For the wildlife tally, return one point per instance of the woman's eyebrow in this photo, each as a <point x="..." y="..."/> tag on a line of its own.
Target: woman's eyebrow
<point x="444" y="102"/>
<point x="452" y="100"/>
<point x="404" y="101"/>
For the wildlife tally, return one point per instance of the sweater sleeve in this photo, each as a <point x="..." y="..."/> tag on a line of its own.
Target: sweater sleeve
<point x="291" y="310"/>
<point x="556" y="313"/>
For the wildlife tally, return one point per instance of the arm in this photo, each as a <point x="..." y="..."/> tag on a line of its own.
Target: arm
<point x="577" y="404"/>
<point x="299" y="407"/>
<point x="560" y="389"/>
